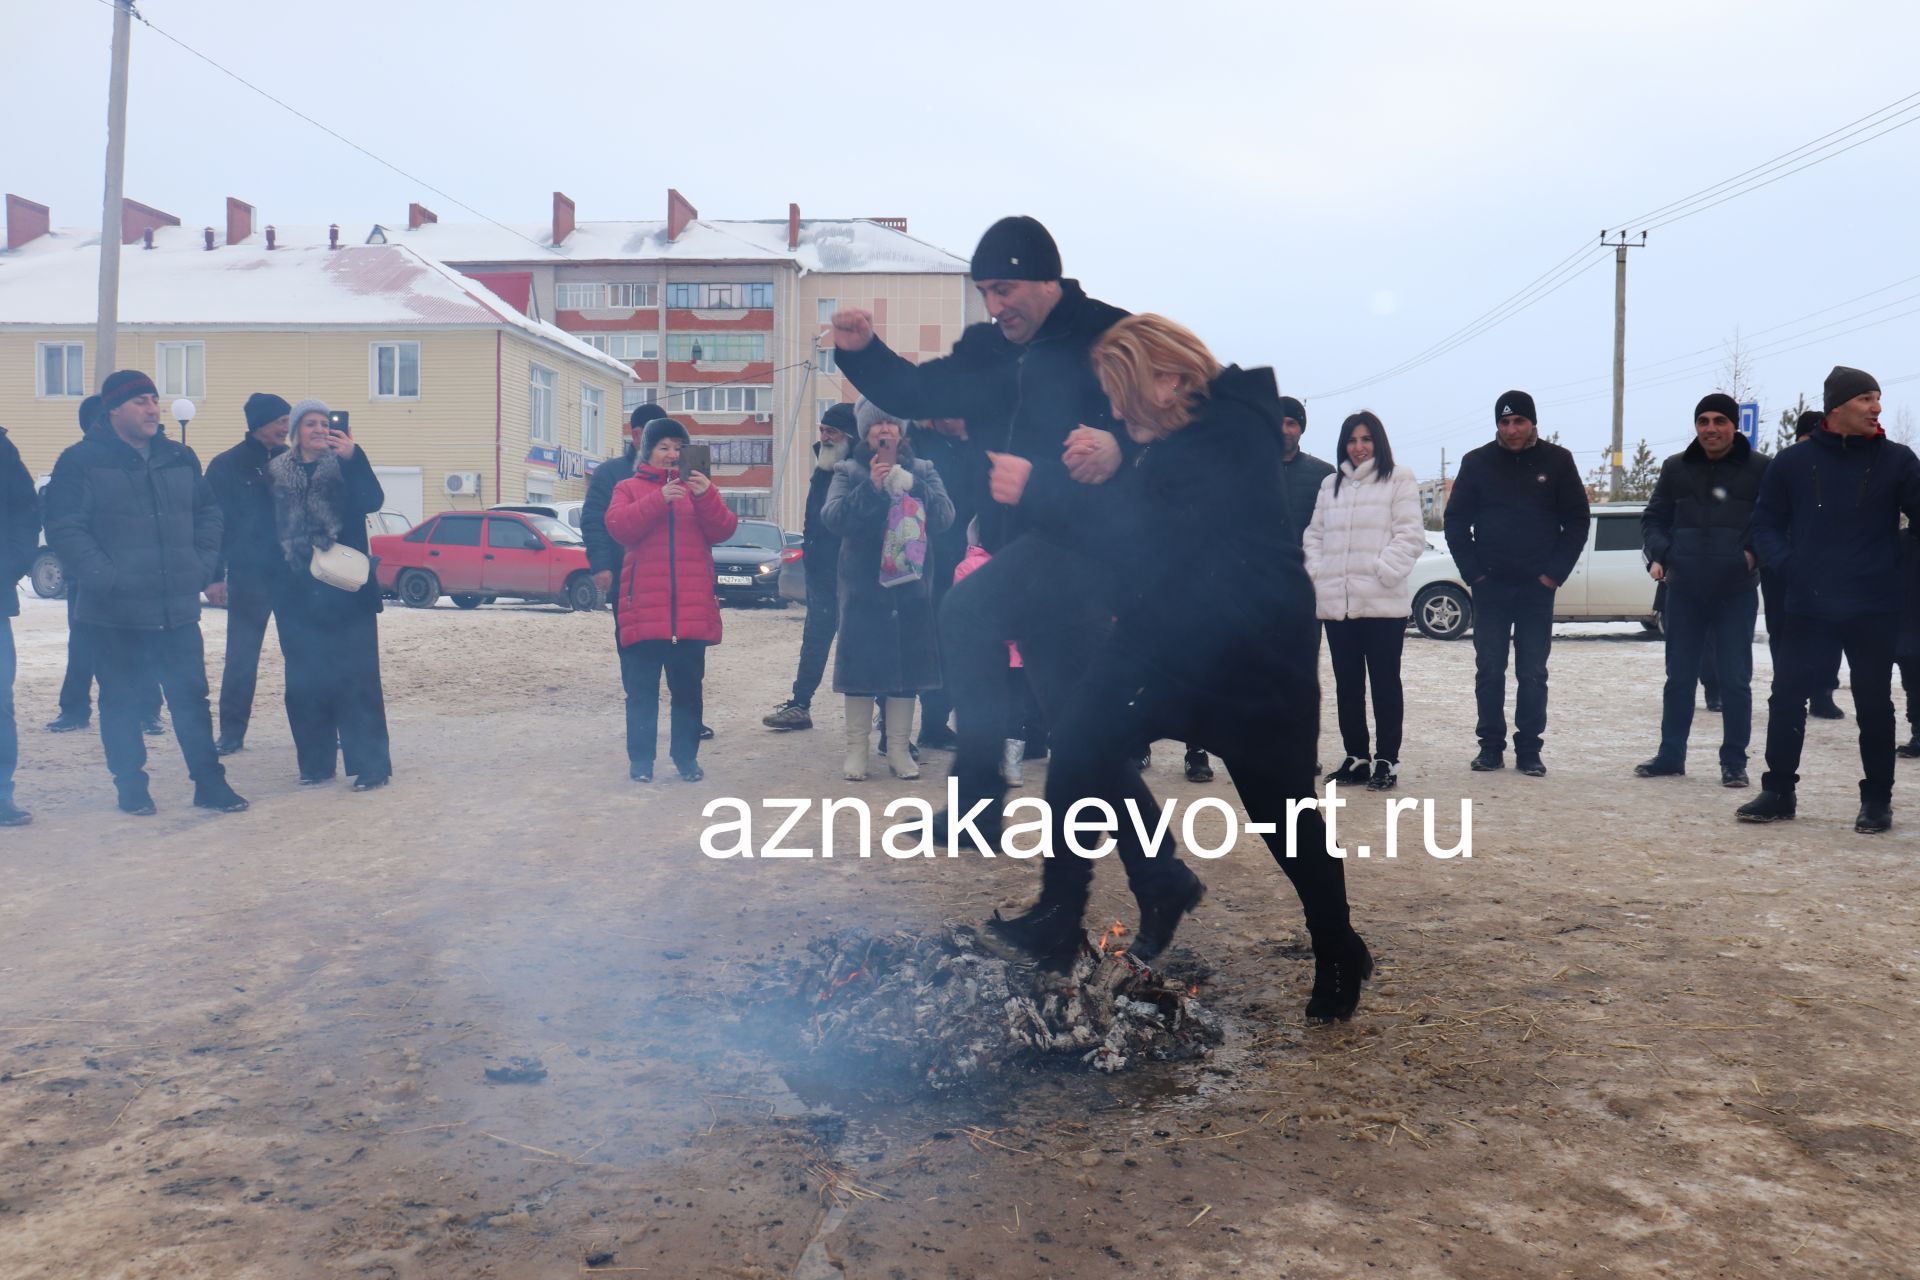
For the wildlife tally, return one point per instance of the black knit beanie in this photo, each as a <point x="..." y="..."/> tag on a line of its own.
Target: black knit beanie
<point x="90" y="413"/>
<point x="1718" y="402"/>
<point x="263" y="407"/>
<point x="1515" y="402"/>
<point x="1843" y="384"/>
<point x="1808" y="423"/>
<point x="125" y="385"/>
<point x="661" y="428"/>
<point x="1016" y="248"/>
<point x="1292" y="408"/>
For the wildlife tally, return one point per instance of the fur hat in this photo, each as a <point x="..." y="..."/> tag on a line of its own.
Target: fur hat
<point x="661" y="428"/>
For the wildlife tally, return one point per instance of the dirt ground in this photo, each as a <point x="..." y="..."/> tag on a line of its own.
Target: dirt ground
<point x="1628" y="1037"/>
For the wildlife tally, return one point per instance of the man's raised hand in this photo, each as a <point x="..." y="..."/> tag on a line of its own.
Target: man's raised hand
<point x="852" y="329"/>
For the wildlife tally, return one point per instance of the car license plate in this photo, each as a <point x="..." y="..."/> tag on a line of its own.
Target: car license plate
<point x="736" y="580"/>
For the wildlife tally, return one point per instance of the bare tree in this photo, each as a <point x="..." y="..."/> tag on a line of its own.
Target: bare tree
<point x="1903" y="429"/>
<point x="1736" y="371"/>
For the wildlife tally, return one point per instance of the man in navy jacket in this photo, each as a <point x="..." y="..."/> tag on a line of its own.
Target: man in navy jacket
<point x="1828" y="522"/>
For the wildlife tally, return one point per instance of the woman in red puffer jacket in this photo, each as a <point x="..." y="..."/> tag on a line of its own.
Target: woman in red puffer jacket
<point x="665" y="606"/>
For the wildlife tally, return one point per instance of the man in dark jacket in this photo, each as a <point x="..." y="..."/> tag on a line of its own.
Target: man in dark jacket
<point x="1300" y="472"/>
<point x="135" y="523"/>
<point x="19" y="544"/>
<point x="1828" y="520"/>
<point x="604" y="555"/>
<point x="1698" y="539"/>
<point x="250" y="551"/>
<point x="963" y="470"/>
<point x="819" y="554"/>
<point x="1821" y="705"/>
<point x="1516" y="523"/>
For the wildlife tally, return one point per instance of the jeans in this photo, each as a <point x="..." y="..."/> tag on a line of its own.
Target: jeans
<point x="248" y="608"/>
<point x="130" y="663"/>
<point x="9" y="731"/>
<point x="1698" y="627"/>
<point x="1368" y="649"/>
<point x="816" y="636"/>
<point x="1810" y="652"/>
<point x="685" y="664"/>
<point x="335" y="705"/>
<point x="1522" y="613"/>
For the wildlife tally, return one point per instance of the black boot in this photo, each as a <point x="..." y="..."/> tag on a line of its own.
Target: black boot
<point x="1909" y="750"/>
<point x="1047" y="933"/>
<point x="1161" y="916"/>
<point x="1768" y="806"/>
<point x="1341" y="963"/>
<point x="1198" y="767"/>
<point x="1489" y="759"/>
<point x="1822" y="707"/>
<point x="1876" y="815"/>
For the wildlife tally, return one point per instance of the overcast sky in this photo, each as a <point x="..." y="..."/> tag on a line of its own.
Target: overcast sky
<point x="1330" y="192"/>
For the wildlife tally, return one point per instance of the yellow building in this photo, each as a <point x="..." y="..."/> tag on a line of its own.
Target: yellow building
<point x="459" y="399"/>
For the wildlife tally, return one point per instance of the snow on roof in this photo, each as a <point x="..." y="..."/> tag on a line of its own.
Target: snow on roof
<point x="837" y="245"/>
<point x="53" y="280"/>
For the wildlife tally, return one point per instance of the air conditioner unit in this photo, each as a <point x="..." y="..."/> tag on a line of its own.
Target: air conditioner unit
<point x="463" y="483"/>
<point x="763" y="417"/>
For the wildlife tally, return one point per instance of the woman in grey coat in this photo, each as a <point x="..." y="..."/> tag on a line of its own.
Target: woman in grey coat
<point x="887" y="648"/>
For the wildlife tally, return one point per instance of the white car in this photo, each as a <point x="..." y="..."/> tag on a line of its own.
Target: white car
<point x="1609" y="582"/>
<point x="566" y="512"/>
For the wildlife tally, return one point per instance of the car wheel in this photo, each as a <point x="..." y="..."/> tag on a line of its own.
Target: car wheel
<point x="582" y="595"/>
<point x="417" y="589"/>
<point x="466" y="601"/>
<point x="1443" y="612"/>
<point x="49" y="579"/>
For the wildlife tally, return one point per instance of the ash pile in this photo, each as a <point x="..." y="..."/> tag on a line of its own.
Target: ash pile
<point x="941" y="1009"/>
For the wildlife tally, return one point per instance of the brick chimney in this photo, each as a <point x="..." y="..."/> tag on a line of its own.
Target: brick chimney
<point x="562" y="218"/>
<point x="137" y="219"/>
<point x="239" y="220"/>
<point x="418" y="216"/>
<point x="26" y="221"/>
<point x="679" y="214"/>
<point x="793" y="227"/>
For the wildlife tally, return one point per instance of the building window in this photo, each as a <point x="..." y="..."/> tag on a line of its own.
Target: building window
<point x="752" y="505"/>
<point x="719" y="297"/>
<point x="740" y="451"/>
<point x="737" y="347"/>
<point x="825" y="362"/>
<point x="625" y="346"/>
<point x="632" y="295"/>
<point x="827" y="306"/>
<point x="61" y="369"/>
<point x="539" y="489"/>
<point x="540" y="386"/>
<point x="396" y="370"/>
<point x="632" y="398"/>
<point x="593" y="407"/>
<point x="580" y="297"/>
<point x="183" y="369"/>
<point x="754" y="400"/>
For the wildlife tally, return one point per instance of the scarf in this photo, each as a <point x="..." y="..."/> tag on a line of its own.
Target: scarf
<point x="306" y="506"/>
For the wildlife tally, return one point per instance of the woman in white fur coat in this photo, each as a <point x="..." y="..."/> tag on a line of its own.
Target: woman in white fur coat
<point x="1361" y="545"/>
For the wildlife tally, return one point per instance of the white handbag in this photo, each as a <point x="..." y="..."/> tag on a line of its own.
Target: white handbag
<point x="341" y="566"/>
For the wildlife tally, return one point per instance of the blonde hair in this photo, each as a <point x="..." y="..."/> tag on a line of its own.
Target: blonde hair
<point x="1133" y="351"/>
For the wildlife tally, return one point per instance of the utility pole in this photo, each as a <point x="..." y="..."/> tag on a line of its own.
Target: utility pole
<point x="1620" y="247"/>
<point x="107" y="325"/>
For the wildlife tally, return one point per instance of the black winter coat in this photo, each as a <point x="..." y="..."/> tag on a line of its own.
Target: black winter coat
<point x="1514" y="517"/>
<point x="1217" y="601"/>
<point x="1300" y="484"/>
<point x="249" y="547"/>
<point x="346" y="492"/>
<point x="1829" y="520"/>
<point x="604" y="553"/>
<point x="1019" y="398"/>
<point x="1698" y="523"/>
<point x="19" y="524"/>
<point x="819" y="545"/>
<point x="887" y="642"/>
<point x="1906" y="645"/>
<point x="140" y="537"/>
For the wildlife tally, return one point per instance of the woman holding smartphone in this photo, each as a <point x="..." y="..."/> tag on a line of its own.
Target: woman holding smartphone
<point x="669" y="521"/>
<point x="323" y="490"/>
<point x="1361" y="547"/>
<point x="887" y="647"/>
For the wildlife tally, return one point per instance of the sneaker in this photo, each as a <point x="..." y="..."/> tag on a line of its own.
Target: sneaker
<point x="1198" y="767"/>
<point x="640" y="772"/>
<point x="1823" y="707"/>
<point x="12" y="815"/>
<point x="1530" y="764"/>
<point x="1352" y="769"/>
<point x="67" y="722"/>
<point x="153" y="726"/>
<point x="706" y="733"/>
<point x="1044" y="934"/>
<point x="1487" y="761"/>
<point x="938" y="737"/>
<point x="1159" y="919"/>
<point x="1768" y="806"/>
<point x="789" y="715"/>
<point x="691" y="772"/>
<point x="1875" y="816"/>
<point x="1658" y="768"/>
<point x="371" y="781"/>
<point x="138" y="803"/>
<point x="1909" y="750"/>
<point x="228" y="746"/>
<point x="1386" y="776"/>
<point x="219" y="797"/>
<point x="1733" y="776"/>
<point x="1144" y="761"/>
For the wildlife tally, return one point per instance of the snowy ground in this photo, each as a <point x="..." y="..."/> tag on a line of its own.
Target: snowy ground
<point x="1628" y="1037"/>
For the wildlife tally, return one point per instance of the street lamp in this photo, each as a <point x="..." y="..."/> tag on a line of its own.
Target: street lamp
<point x="183" y="409"/>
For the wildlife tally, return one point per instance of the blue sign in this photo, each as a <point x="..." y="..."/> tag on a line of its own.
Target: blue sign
<point x="1750" y="423"/>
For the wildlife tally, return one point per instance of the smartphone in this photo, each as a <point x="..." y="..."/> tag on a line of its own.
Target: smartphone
<point x="888" y="452"/>
<point x="696" y="457"/>
<point x="339" y="422"/>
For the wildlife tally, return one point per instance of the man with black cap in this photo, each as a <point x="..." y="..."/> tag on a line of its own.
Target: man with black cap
<point x="819" y="556"/>
<point x="1025" y="387"/>
<point x="1828" y="520"/>
<point x="1821" y="705"/>
<point x="250" y="551"/>
<point x="19" y="544"/>
<point x="1516" y="523"/>
<point x="137" y="526"/>
<point x="1697" y="533"/>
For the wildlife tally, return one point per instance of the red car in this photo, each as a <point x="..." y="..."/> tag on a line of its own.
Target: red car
<point x="477" y="557"/>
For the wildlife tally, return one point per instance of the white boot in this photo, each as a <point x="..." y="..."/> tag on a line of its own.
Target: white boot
<point x="900" y="738"/>
<point x="859" y="734"/>
<point x="1010" y="757"/>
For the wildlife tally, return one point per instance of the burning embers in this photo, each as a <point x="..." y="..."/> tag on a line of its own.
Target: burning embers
<point x="938" y="1008"/>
